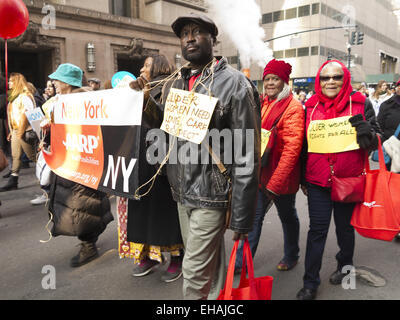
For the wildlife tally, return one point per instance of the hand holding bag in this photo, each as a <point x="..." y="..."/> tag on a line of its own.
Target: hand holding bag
<point x="378" y="217"/>
<point x="249" y="288"/>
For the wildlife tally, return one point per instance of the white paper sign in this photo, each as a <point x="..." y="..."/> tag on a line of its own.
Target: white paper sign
<point x="187" y="115"/>
<point x="35" y="117"/>
<point x="103" y="107"/>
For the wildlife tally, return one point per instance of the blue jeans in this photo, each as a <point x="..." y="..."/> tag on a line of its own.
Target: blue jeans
<point x="320" y="208"/>
<point x="290" y="225"/>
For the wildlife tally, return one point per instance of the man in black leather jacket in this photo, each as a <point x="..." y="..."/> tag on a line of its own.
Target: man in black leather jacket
<point x="200" y="189"/>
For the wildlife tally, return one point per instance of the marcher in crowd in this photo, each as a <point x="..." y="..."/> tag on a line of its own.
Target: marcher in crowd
<point x="362" y="88"/>
<point x="280" y="173"/>
<point x="76" y="210"/>
<point x="37" y="96"/>
<point x="381" y="94"/>
<point x="49" y="91"/>
<point x="334" y="98"/>
<point x="153" y="222"/>
<point x="20" y="99"/>
<point x="200" y="189"/>
<point x="389" y="117"/>
<point x="302" y="98"/>
<point x="94" y="83"/>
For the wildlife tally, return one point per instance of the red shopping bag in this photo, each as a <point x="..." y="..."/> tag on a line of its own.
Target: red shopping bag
<point x="249" y="288"/>
<point x="378" y="217"/>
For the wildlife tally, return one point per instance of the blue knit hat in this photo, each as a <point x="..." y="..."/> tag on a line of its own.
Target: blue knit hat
<point x="69" y="74"/>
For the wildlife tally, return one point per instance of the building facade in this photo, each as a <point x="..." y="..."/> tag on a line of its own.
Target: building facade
<point x="100" y="36"/>
<point x="377" y="58"/>
<point x="106" y="36"/>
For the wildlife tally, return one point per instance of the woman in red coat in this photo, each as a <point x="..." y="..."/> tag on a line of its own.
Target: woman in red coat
<point x="335" y="104"/>
<point x="280" y="175"/>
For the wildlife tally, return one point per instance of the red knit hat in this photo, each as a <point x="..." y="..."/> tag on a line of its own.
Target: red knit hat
<point x="398" y="83"/>
<point x="279" y="68"/>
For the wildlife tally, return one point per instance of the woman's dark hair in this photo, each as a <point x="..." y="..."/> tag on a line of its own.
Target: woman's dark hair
<point x="160" y="67"/>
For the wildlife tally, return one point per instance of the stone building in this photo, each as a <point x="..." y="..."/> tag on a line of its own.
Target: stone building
<point x="100" y="36"/>
<point x="376" y="58"/>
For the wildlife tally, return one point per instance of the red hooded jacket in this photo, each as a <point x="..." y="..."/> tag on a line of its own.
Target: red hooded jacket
<point x="345" y="164"/>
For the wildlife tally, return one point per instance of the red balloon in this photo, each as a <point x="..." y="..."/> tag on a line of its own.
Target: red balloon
<point x="14" y="18"/>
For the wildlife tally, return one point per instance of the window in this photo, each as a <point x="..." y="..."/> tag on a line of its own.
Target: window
<point x="233" y="60"/>
<point x="304" y="11"/>
<point x="322" y="51"/>
<point x="279" y="15"/>
<point x="323" y="9"/>
<point x="314" y="51"/>
<point x="279" y="54"/>
<point x="303" y="52"/>
<point x="290" y="53"/>
<point x="315" y="8"/>
<point x="121" y="7"/>
<point x="267" y="18"/>
<point x="291" y="13"/>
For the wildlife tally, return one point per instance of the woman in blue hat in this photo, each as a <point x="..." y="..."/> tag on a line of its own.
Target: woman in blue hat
<point x="77" y="210"/>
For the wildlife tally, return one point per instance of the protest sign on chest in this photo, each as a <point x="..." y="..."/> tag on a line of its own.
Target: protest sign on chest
<point x="187" y="115"/>
<point x="331" y="136"/>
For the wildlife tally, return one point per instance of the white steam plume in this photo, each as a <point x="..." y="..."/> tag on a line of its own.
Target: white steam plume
<point x="396" y="8"/>
<point x="240" y="20"/>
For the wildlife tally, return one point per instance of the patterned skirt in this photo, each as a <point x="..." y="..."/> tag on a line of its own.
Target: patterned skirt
<point x="138" y="251"/>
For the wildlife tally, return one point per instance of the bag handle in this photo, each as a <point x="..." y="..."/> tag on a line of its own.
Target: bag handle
<point x="231" y="273"/>
<point x="247" y="262"/>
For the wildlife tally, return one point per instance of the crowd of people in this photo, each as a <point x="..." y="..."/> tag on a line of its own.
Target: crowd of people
<point x="185" y="212"/>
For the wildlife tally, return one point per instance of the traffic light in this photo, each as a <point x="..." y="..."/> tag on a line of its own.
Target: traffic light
<point x="360" y="38"/>
<point x="353" y="38"/>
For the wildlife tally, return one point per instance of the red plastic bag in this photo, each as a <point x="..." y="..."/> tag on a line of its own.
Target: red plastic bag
<point x="249" y="288"/>
<point x="378" y="217"/>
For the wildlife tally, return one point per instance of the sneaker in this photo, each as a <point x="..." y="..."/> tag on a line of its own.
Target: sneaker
<point x="285" y="266"/>
<point x="174" y="270"/>
<point x="42" y="199"/>
<point x="144" y="268"/>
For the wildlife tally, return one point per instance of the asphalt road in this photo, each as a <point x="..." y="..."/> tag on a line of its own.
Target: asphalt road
<point x="23" y="257"/>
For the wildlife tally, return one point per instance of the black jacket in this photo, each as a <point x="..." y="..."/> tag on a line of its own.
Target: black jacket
<point x="78" y="210"/>
<point x="202" y="185"/>
<point x="153" y="219"/>
<point x="389" y="117"/>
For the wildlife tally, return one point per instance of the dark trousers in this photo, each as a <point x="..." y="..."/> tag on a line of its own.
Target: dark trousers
<point x="287" y="212"/>
<point x="320" y="208"/>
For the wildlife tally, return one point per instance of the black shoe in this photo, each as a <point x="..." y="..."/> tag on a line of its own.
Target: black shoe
<point x="12" y="184"/>
<point x="336" y="278"/>
<point x="306" y="294"/>
<point x="87" y="253"/>
<point x="7" y="175"/>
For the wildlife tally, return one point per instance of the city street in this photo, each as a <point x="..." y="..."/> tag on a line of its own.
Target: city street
<point x="23" y="257"/>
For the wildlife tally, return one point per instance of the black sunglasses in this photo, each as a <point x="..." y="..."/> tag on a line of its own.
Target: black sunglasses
<point x="334" y="78"/>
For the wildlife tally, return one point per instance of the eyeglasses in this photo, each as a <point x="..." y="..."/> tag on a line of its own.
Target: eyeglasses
<point x="334" y="78"/>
